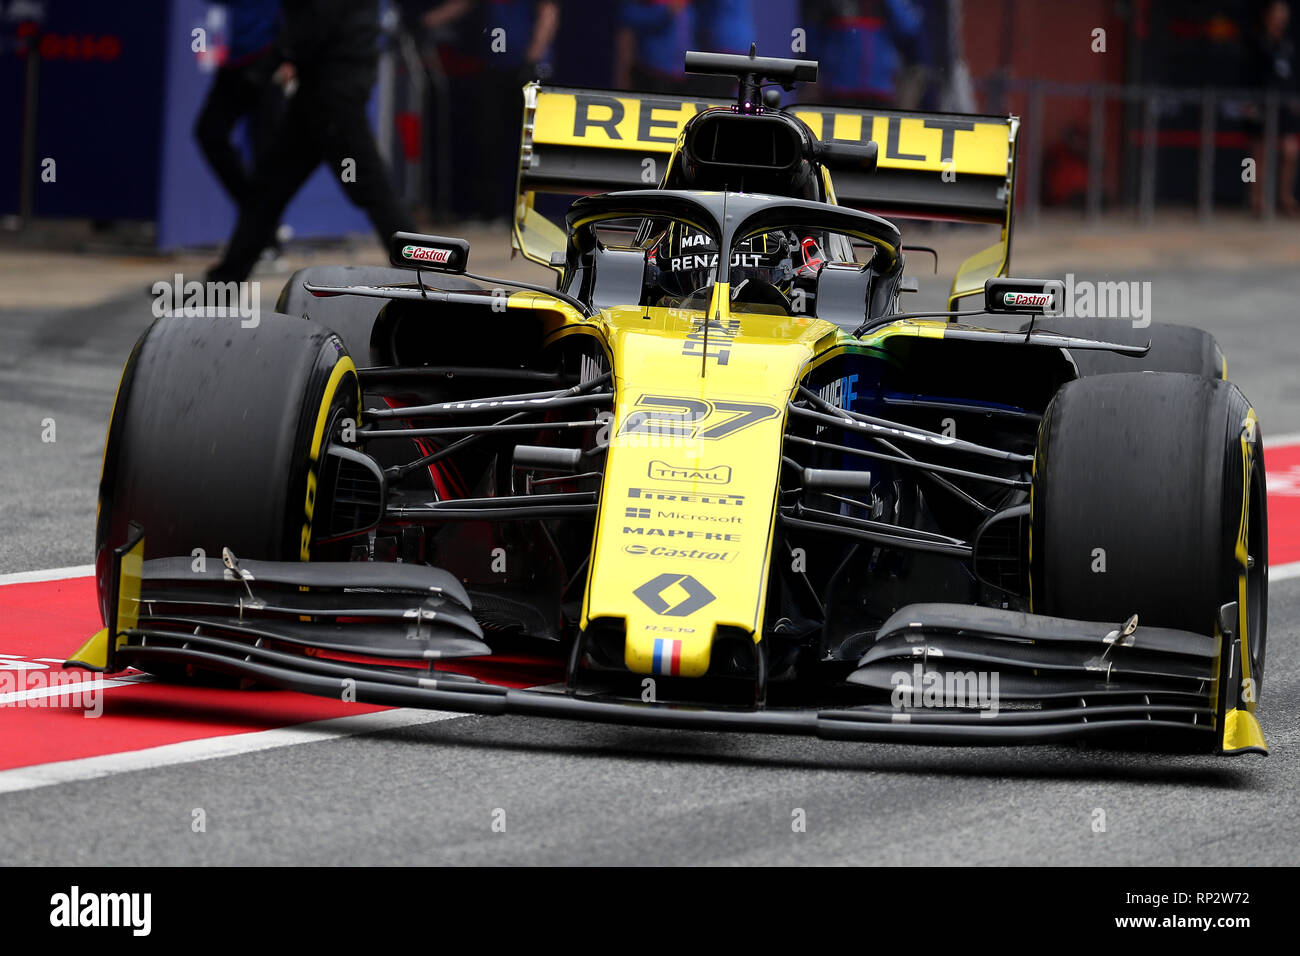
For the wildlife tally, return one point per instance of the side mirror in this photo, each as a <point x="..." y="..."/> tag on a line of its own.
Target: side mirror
<point x="1024" y="296"/>
<point x="411" y="250"/>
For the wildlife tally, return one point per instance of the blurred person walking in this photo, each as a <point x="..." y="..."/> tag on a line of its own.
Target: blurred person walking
<point x="328" y="55"/>
<point x="863" y="47"/>
<point x="725" y="26"/>
<point x="651" y="45"/>
<point x="1274" y="66"/>
<point x="499" y="45"/>
<point x="242" y="90"/>
<point x="722" y="26"/>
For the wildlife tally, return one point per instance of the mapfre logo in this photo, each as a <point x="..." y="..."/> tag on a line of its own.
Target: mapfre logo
<point x="661" y="470"/>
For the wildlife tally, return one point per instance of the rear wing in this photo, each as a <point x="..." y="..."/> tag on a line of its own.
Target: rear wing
<point x="578" y="142"/>
<point x="947" y="166"/>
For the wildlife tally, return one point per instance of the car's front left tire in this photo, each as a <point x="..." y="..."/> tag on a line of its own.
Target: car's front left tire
<point x="217" y="438"/>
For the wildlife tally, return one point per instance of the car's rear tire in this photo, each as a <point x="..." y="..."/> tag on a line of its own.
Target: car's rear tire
<point x="1148" y="489"/>
<point x="1174" y="348"/>
<point x="216" y="438"/>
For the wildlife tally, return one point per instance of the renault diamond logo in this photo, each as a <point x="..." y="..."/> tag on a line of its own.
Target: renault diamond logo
<point x="652" y="595"/>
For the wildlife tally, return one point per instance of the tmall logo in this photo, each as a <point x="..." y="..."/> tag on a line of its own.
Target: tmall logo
<point x="720" y="475"/>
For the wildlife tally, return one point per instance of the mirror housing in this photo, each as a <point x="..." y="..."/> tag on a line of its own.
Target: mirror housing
<point x="1024" y="296"/>
<point x="412" y="250"/>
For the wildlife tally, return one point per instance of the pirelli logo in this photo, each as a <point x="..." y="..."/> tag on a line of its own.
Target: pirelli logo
<point x="656" y="494"/>
<point x="651" y="124"/>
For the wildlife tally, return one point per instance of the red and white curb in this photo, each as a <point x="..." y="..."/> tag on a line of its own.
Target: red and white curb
<point x="209" y="748"/>
<point x="1282" y="464"/>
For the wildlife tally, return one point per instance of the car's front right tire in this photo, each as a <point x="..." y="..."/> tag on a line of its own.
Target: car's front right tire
<point x="1148" y="499"/>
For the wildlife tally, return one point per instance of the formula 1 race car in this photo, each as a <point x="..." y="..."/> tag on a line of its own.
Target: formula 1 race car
<point x="716" y="477"/>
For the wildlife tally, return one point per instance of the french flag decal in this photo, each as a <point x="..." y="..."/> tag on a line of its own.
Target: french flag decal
<point x="668" y="657"/>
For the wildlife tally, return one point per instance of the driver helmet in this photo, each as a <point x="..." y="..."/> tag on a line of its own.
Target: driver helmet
<point x="763" y="267"/>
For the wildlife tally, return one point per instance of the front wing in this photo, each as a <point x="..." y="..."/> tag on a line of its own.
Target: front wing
<point x="376" y="633"/>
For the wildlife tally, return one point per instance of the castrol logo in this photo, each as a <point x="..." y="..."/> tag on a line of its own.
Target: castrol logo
<point x="426" y="254"/>
<point x="1038" y="300"/>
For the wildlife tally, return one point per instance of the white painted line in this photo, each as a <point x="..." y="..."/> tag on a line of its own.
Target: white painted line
<point x="81" y="687"/>
<point x="1284" y="572"/>
<point x="51" y="574"/>
<point x="1274" y="441"/>
<point x="211" y="748"/>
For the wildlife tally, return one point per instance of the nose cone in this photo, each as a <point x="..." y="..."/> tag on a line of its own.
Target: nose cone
<point x="688" y="501"/>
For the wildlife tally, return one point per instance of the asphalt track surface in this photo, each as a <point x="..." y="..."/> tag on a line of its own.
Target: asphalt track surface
<point x="426" y="788"/>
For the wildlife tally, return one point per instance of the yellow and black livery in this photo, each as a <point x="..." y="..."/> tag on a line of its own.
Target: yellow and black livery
<point x="724" y="483"/>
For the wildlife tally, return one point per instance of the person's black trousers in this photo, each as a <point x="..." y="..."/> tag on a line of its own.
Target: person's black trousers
<point x="325" y="121"/>
<point x="237" y="93"/>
